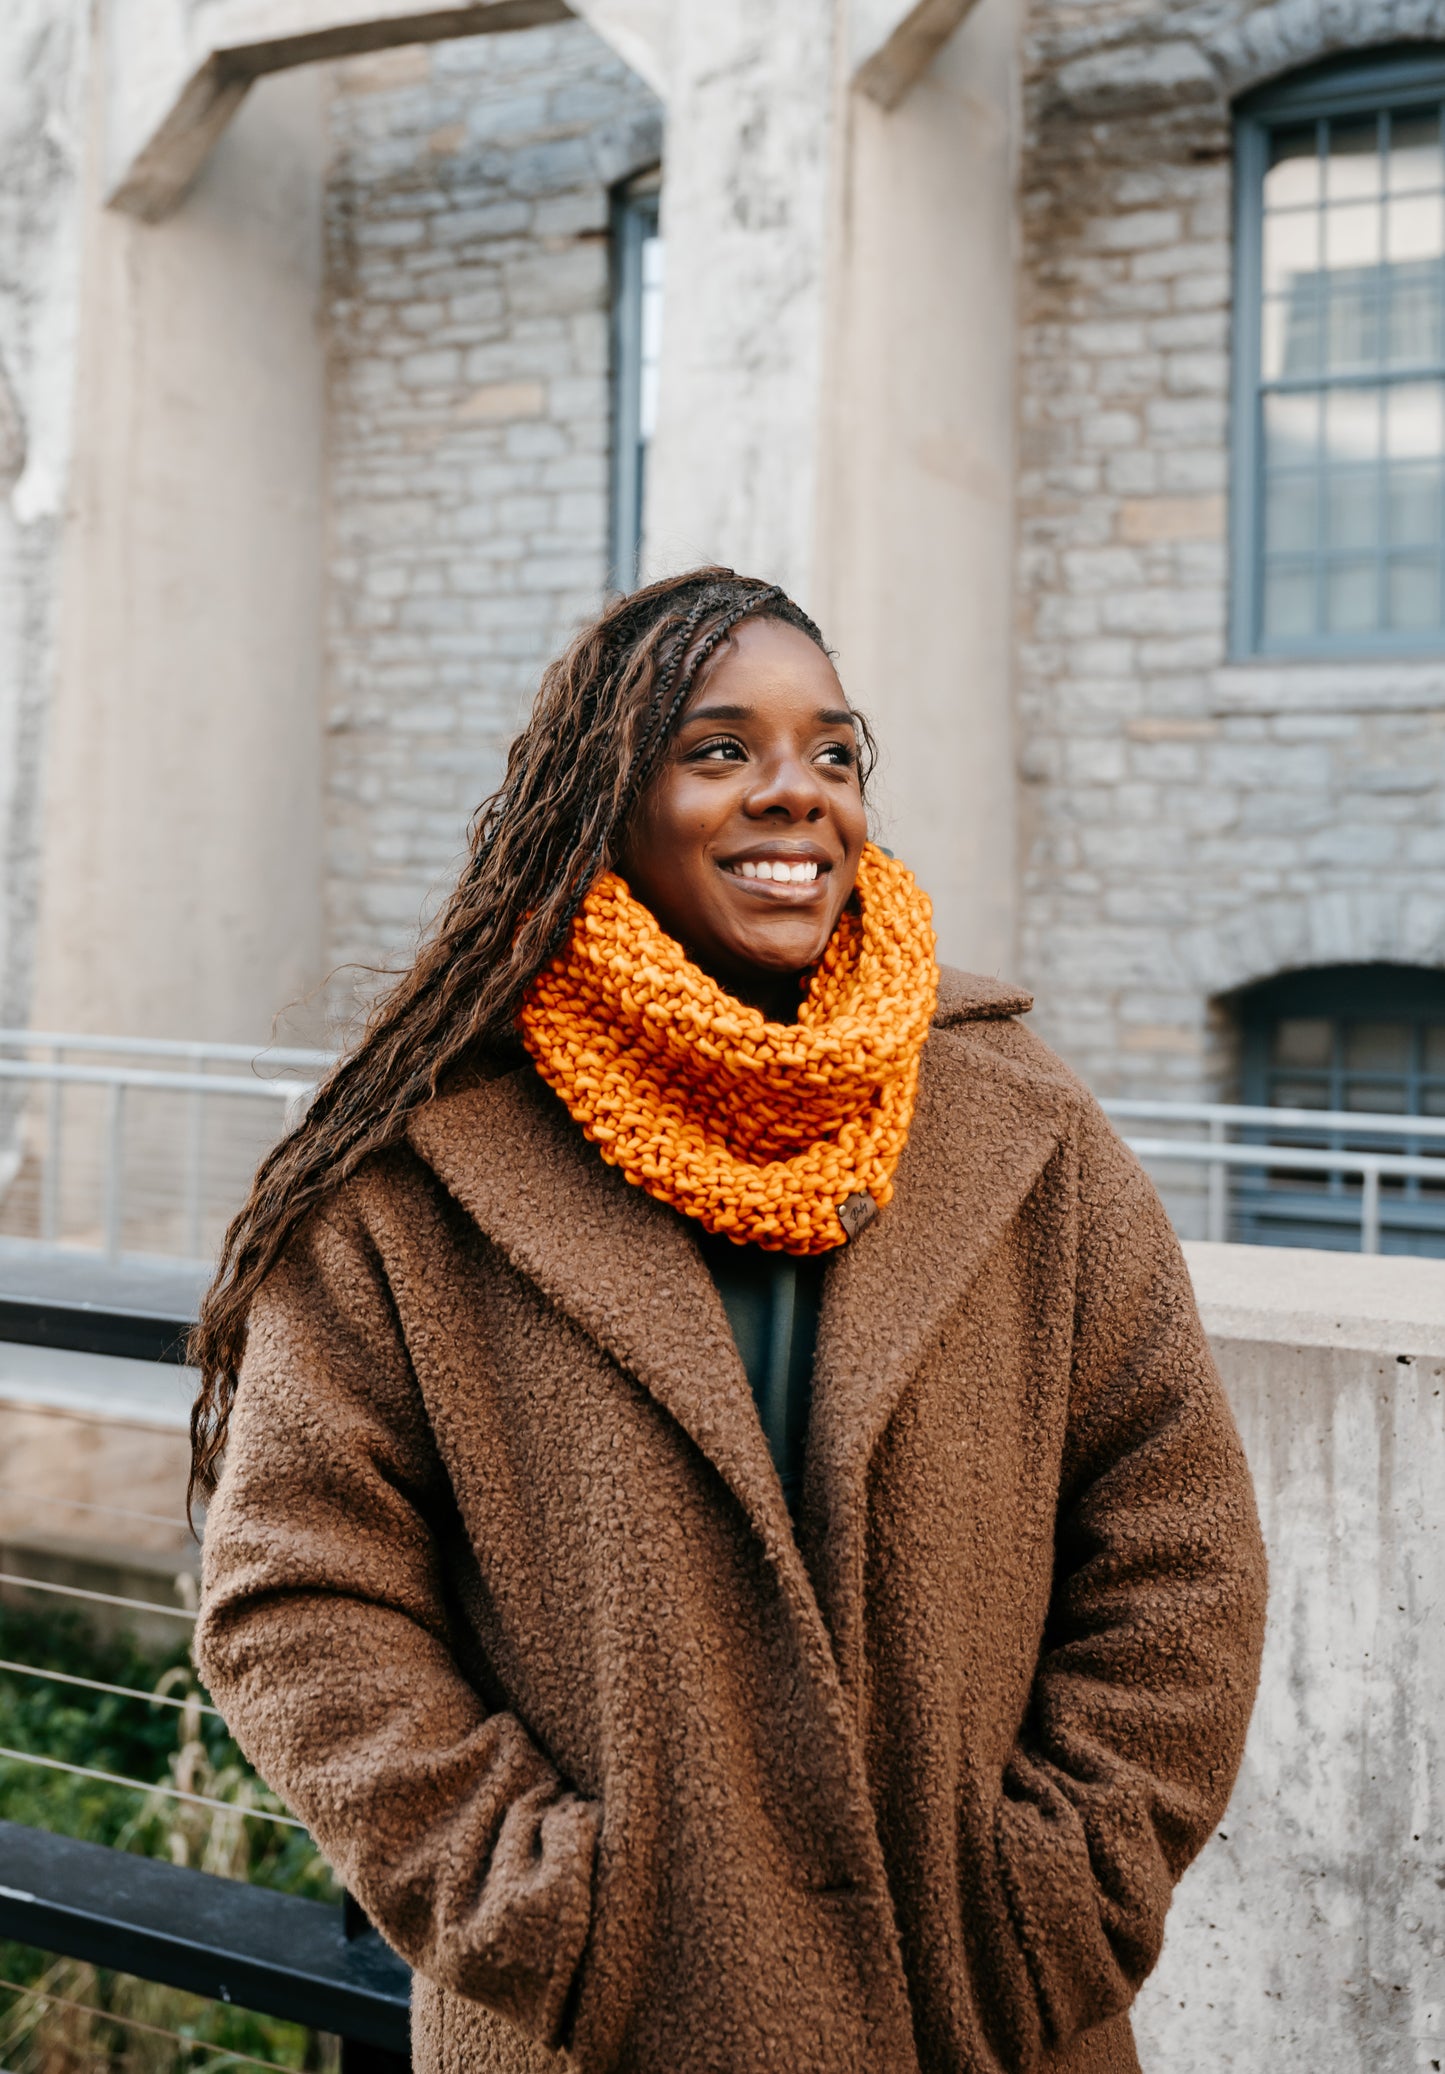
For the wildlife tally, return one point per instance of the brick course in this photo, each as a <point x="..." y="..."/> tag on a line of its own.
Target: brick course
<point x="468" y="302"/>
<point x="1176" y="846"/>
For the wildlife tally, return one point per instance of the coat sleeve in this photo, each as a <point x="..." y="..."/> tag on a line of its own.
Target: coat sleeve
<point x="1144" y="1686"/>
<point x="324" y="1639"/>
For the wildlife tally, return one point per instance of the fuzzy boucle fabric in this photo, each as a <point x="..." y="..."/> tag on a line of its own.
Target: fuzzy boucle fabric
<point x="502" y="1594"/>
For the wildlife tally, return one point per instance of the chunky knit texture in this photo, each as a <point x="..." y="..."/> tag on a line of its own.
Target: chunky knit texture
<point x="761" y="1130"/>
<point x="502" y="1595"/>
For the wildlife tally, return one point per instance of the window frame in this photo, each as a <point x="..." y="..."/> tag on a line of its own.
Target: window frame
<point x="634" y="219"/>
<point x="1281" y="1208"/>
<point x="1399" y="76"/>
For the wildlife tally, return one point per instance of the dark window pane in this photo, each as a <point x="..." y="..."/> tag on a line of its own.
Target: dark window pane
<point x="1432" y="1048"/>
<point x="1303" y="1041"/>
<point x="1413" y="326"/>
<point x="1432" y="1102"/>
<point x="1353" y="168"/>
<point x="1413" y="593"/>
<point x="1352" y="507"/>
<point x="1289" y="513"/>
<point x="1415" y="503"/>
<point x="1298" y="1094"/>
<point x="1289" y="601"/>
<point x="1352" y="340"/>
<point x="1377" y="1047"/>
<point x="1290" y="334"/>
<point x="1352" y="597"/>
<point x="1382" y="1097"/>
<point x="1415" y="149"/>
<point x="1294" y="167"/>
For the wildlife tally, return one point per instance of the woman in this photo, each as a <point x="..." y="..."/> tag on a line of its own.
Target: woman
<point x="730" y="1534"/>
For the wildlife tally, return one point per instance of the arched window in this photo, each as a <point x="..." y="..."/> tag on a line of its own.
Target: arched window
<point x="1339" y="361"/>
<point x="636" y="337"/>
<point x="1361" y="1038"/>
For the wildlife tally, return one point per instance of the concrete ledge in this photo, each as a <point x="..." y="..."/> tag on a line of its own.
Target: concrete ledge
<point x="1378" y="1304"/>
<point x="1308" y="1932"/>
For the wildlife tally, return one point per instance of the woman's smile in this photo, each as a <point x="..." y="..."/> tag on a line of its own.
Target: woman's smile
<point x="746" y="844"/>
<point x="781" y="871"/>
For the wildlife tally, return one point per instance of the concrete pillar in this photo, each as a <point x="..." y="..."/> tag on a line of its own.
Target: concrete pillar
<point x="915" y="521"/>
<point x="836" y="407"/>
<point x="747" y="224"/>
<point x="181" y="869"/>
<point x="44" y="51"/>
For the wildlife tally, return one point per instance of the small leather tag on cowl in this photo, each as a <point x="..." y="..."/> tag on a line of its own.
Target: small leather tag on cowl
<point x="856" y="1213"/>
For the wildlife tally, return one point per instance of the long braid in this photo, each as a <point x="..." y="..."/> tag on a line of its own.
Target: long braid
<point x="602" y="718"/>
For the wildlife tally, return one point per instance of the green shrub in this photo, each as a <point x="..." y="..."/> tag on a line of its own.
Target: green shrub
<point x="72" y="2017"/>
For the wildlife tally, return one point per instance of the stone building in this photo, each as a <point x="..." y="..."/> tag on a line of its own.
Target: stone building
<point x="1079" y="367"/>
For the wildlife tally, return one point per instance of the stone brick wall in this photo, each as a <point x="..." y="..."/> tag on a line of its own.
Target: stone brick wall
<point x="468" y="297"/>
<point x="1190" y="823"/>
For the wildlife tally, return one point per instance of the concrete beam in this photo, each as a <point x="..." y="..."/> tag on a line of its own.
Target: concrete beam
<point x="179" y="69"/>
<point x="895" y="41"/>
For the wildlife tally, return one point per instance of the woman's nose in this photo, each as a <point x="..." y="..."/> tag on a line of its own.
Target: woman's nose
<point x="787" y="786"/>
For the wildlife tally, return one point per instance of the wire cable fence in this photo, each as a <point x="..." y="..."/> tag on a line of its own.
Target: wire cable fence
<point x="134" y="1836"/>
<point x="120" y="1144"/>
<point x="125" y="1692"/>
<point x="217" y="2056"/>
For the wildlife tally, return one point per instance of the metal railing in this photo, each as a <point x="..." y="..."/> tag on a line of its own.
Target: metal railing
<point x="73" y="1061"/>
<point x="1235" y="1136"/>
<point x="1218" y="1153"/>
<point x="279" y="1954"/>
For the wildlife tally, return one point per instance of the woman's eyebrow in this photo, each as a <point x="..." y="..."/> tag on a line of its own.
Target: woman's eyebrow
<point x="828" y="716"/>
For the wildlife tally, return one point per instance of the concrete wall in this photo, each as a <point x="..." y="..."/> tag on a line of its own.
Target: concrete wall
<point x="44" y="51"/>
<point x="1190" y="823"/>
<point x="916" y="520"/>
<point x="469" y="305"/>
<point x="181" y="863"/>
<point x="1311" y="1932"/>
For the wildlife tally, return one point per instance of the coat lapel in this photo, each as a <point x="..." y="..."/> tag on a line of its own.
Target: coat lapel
<point x="617" y="1263"/>
<point x="983" y="1130"/>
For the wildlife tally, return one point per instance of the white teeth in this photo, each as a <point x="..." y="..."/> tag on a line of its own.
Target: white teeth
<point x="767" y="868"/>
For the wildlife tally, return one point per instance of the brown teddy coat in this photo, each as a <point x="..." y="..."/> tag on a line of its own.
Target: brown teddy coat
<point x="502" y="1595"/>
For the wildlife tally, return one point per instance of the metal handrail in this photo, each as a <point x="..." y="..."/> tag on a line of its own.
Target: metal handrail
<point x="120" y="1080"/>
<point x="166" y="1048"/>
<point x="1367" y="1123"/>
<point x="155" y="1077"/>
<point x="1371" y="1166"/>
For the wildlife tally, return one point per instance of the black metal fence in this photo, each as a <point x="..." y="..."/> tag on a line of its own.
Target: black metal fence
<point x="278" y="1954"/>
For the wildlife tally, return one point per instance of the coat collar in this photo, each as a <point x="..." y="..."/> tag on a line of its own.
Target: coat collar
<point x="616" y="1262"/>
<point x="623" y="1267"/>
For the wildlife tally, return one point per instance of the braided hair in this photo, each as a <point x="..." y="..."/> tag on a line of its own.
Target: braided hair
<point x="598" y="729"/>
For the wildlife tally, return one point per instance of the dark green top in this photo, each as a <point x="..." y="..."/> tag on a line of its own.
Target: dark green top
<point x="772" y="1302"/>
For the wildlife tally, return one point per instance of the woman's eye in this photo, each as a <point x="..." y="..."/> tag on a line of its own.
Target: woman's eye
<point x="841" y="754"/>
<point x="725" y="750"/>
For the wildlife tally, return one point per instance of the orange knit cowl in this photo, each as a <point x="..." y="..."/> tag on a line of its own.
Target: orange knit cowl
<point x="761" y="1130"/>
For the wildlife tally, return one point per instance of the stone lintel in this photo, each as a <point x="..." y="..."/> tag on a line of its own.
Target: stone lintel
<point x="203" y="96"/>
<point x="897" y="52"/>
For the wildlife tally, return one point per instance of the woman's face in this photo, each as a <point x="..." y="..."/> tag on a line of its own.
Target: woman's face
<point x="746" y="844"/>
